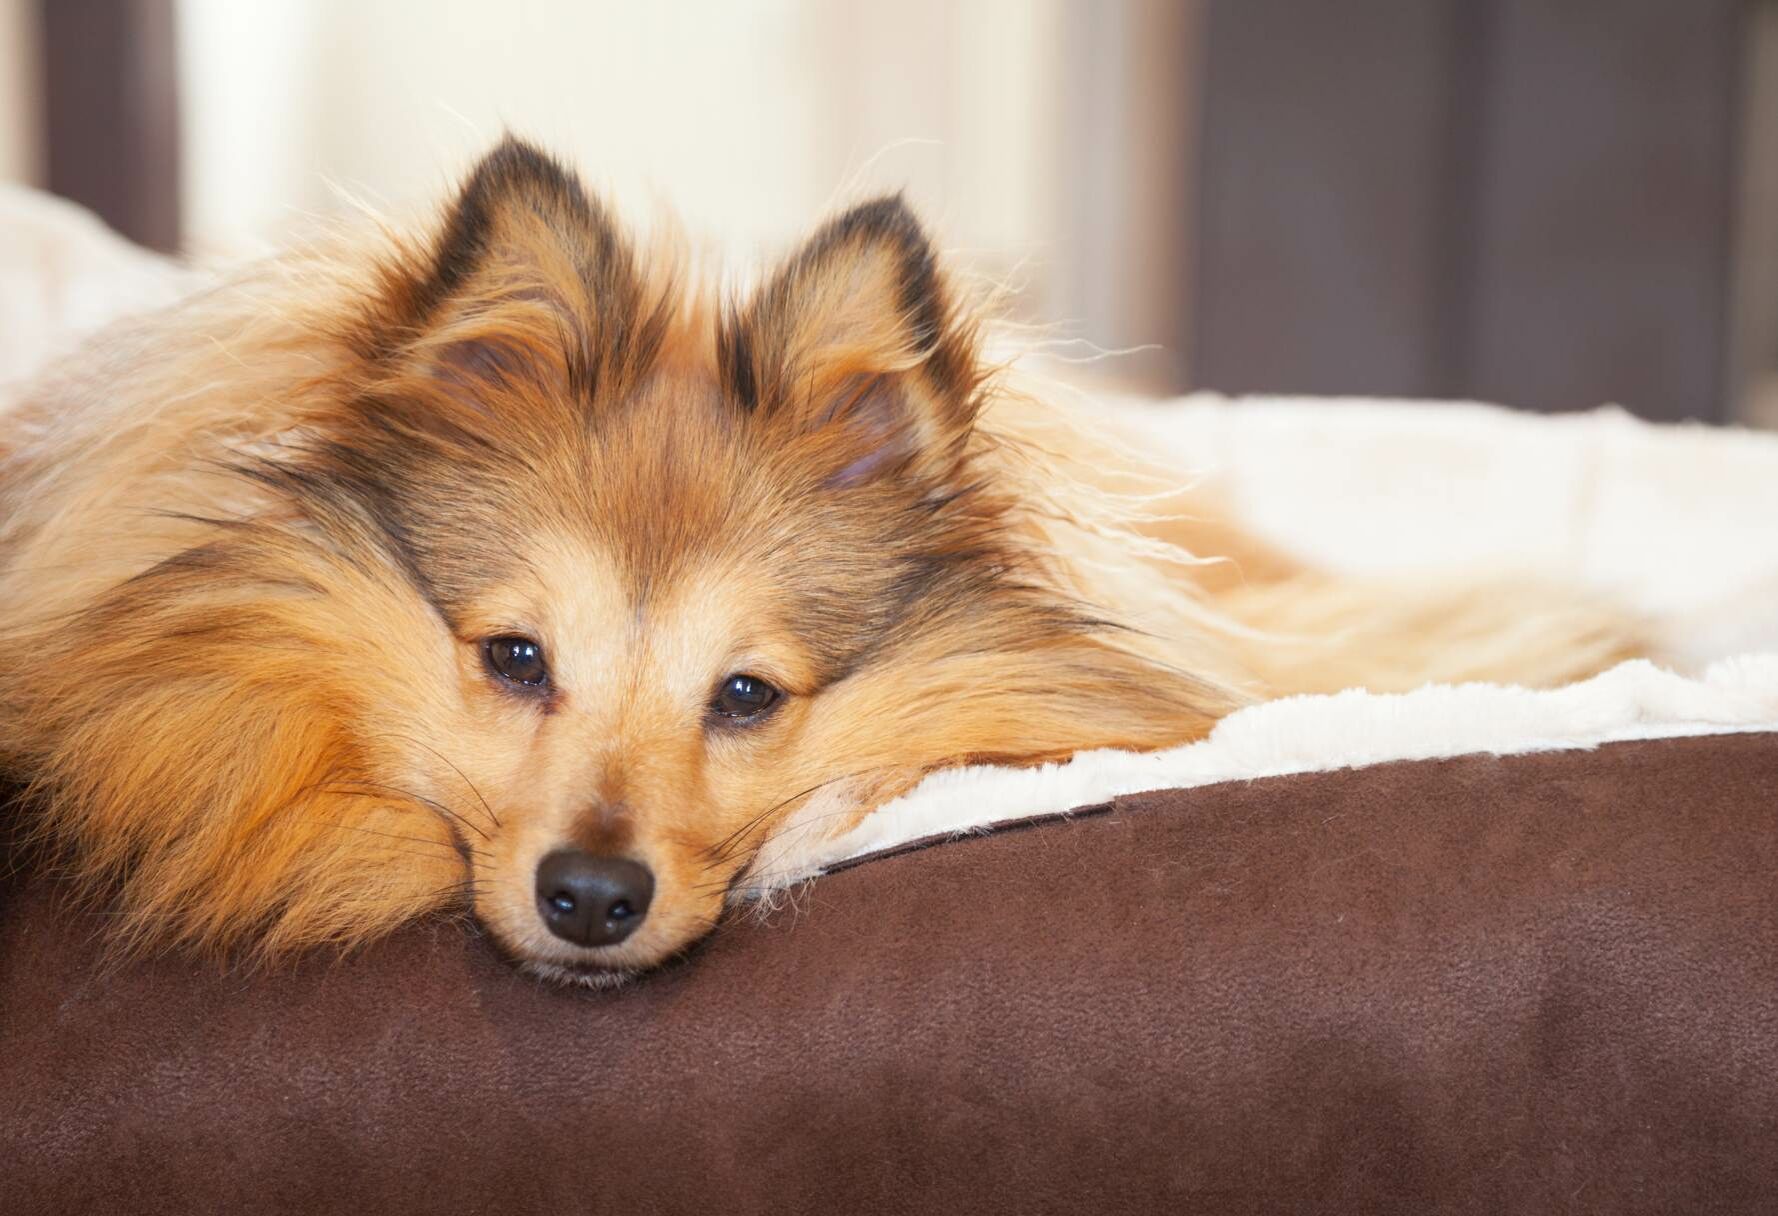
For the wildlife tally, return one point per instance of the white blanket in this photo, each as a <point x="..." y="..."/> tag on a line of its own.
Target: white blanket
<point x="1681" y="522"/>
<point x="64" y="274"/>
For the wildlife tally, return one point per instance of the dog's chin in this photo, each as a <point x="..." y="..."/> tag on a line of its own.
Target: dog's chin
<point x="609" y="967"/>
<point x="579" y="975"/>
<point x="574" y="968"/>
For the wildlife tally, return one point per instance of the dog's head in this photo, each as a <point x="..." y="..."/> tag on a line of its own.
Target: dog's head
<point x="571" y="591"/>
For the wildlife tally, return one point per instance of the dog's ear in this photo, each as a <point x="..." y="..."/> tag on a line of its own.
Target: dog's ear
<point x="528" y="278"/>
<point x="856" y="346"/>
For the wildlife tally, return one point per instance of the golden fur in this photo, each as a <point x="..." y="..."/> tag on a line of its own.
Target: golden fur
<point x="251" y="548"/>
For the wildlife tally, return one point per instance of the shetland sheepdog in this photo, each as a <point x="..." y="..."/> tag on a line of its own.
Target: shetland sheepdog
<point x="504" y="567"/>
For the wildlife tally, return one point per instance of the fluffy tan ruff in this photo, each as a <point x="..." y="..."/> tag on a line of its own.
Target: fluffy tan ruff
<point x="217" y="789"/>
<point x="1268" y="625"/>
<point x="246" y="726"/>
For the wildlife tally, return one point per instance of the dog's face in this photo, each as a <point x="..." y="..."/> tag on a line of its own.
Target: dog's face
<point x="636" y="678"/>
<point x="566" y="592"/>
<point x="690" y="572"/>
<point x="658" y="638"/>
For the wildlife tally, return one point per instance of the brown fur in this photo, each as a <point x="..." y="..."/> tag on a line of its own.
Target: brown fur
<point x="250" y="550"/>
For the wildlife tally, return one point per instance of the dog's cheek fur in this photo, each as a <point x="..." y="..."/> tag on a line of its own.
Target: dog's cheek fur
<point x="957" y="697"/>
<point x="207" y="745"/>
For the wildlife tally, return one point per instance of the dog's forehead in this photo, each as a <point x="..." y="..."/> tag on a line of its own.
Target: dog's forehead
<point x="668" y="489"/>
<point x="681" y="516"/>
<point x="663" y="635"/>
<point x="669" y="475"/>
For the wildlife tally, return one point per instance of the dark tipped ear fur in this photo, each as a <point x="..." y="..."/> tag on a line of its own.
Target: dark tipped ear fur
<point x="859" y="331"/>
<point x="528" y="274"/>
<point x="524" y="314"/>
<point x="514" y="185"/>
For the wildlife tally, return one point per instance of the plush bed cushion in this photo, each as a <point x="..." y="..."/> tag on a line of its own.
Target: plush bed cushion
<point x="1545" y="982"/>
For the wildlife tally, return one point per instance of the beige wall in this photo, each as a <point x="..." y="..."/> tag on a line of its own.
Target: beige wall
<point x="1024" y="129"/>
<point x="751" y="119"/>
<point x="19" y="115"/>
<point x="1044" y="139"/>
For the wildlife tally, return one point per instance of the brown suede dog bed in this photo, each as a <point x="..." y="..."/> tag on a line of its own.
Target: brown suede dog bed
<point x="1532" y="983"/>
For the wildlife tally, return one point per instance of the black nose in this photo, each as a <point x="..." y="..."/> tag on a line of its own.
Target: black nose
<point x="592" y="901"/>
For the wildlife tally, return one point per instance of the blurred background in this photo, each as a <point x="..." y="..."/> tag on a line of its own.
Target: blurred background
<point x="1546" y="203"/>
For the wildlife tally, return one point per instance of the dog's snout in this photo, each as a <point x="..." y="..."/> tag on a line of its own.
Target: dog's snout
<point x="592" y="901"/>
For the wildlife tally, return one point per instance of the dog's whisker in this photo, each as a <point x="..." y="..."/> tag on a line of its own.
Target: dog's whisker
<point x="352" y="827"/>
<point x="468" y="889"/>
<point x="725" y="848"/>
<point x="374" y="789"/>
<point x="451" y="764"/>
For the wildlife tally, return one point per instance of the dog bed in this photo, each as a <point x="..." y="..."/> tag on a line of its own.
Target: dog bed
<point x="1461" y="949"/>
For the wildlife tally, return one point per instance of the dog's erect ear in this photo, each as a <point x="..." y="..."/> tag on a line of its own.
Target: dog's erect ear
<point x="527" y="277"/>
<point x="856" y="339"/>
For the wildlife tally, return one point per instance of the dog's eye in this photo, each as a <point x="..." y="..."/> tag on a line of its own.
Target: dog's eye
<point x="517" y="659"/>
<point x="744" y="697"/>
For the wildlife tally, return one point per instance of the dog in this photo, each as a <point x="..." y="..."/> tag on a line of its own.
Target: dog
<point x="511" y="567"/>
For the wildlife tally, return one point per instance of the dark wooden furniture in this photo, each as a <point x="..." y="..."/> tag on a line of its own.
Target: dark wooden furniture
<point x="111" y="112"/>
<point x="1525" y="201"/>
